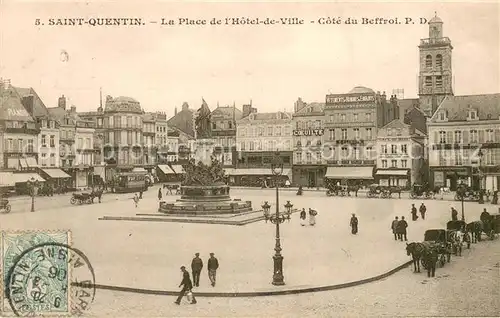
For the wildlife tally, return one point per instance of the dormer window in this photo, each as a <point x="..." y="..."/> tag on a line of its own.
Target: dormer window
<point x="473" y="114"/>
<point x="443" y="115"/>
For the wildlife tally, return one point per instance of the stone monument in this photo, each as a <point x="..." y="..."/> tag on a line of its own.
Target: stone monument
<point x="204" y="190"/>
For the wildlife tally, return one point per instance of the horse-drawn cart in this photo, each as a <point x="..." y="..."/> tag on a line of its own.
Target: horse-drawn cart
<point x="377" y="191"/>
<point x="419" y="191"/>
<point x="460" y="227"/>
<point x="438" y="240"/>
<point x="491" y="224"/>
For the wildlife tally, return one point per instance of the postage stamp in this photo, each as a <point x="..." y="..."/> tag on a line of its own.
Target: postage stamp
<point x="34" y="280"/>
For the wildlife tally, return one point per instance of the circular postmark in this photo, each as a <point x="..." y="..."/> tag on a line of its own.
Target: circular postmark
<point x="51" y="278"/>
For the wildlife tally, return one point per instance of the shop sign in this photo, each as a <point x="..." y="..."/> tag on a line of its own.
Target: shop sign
<point x="308" y="132"/>
<point x="335" y="99"/>
<point x="438" y="177"/>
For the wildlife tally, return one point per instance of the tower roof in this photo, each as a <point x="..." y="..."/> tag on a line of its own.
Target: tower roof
<point x="436" y="19"/>
<point x="361" y="90"/>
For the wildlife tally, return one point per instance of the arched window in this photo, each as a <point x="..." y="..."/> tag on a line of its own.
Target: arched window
<point x="428" y="61"/>
<point x="439" y="60"/>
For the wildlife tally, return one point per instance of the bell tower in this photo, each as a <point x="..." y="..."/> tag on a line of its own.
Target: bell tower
<point x="435" y="80"/>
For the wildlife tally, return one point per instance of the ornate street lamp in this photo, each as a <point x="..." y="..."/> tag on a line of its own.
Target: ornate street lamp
<point x="480" y="175"/>
<point x="266" y="209"/>
<point x="33" y="187"/>
<point x="277" y="170"/>
<point x="461" y="190"/>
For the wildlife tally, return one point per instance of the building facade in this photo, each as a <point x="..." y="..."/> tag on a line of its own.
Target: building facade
<point x="309" y="166"/>
<point x="20" y="137"/>
<point x="149" y="140"/>
<point x="464" y="142"/>
<point x="223" y="121"/>
<point x="401" y="155"/>
<point x="351" y="126"/>
<point x="259" y="138"/>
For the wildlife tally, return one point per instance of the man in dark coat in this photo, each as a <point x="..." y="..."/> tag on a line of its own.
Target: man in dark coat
<point x="431" y="258"/>
<point x="213" y="265"/>
<point x="454" y="214"/>
<point x="354" y="224"/>
<point x="423" y="209"/>
<point x="394" y="227"/>
<point x="414" y="215"/>
<point x="196" y="266"/>
<point x="402" y="225"/>
<point x="186" y="284"/>
<point x="160" y="195"/>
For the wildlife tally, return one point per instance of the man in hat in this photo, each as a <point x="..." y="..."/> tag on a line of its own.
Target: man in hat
<point x="196" y="266"/>
<point x="402" y="226"/>
<point x="454" y="214"/>
<point x="213" y="265"/>
<point x="394" y="227"/>
<point x="423" y="209"/>
<point x="354" y="224"/>
<point x="186" y="284"/>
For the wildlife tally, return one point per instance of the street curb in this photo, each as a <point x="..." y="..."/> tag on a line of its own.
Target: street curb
<point x="257" y="294"/>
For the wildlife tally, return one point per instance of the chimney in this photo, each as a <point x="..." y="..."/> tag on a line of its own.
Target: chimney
<point x="185" y="106"/>
<point x="28" y="103"/>
<point x="62" y="102"/>
<point x="73" y="109"/>
<point x="175" y="111"/>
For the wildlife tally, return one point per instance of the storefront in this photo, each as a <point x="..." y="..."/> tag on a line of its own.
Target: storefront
<point x="393" y="177"/>
<point x="257" y="177"/>
<point x="353" y="175"/>
<point x="311" y="176"/>
<point x="491" y="178"/>
<point x="450" y="177"/>
<point x="55" y="176"/>
<point x="170" y="173"/>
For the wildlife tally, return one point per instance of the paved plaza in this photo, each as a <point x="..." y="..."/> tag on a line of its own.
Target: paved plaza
<point x="148" y="255"/>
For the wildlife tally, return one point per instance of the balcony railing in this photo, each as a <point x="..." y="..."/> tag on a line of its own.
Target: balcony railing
<point x="352" y="162"/>
<point x="433" y="41"/>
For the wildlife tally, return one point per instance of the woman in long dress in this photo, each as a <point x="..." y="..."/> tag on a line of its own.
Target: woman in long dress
<point x="303" y="217"/>
<point x="312" y="217"/>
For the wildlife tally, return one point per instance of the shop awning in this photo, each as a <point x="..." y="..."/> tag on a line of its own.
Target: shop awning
<point x="100" y="171"/>
<point x="23" y="163"/>
<point x="7" y="179"/>
<point x="178" y="169"/>
<point x="56" y="173"/>
<point x="139" y="169"/>
<point x="13" y="163"/>
<point x="32" y="162"/>
<point x="360" y="173"/>
<point x="392" y="172"/>
<point x="250" y="172"/>
<point x="24" y="177"/>
<point x="166" y="169"/>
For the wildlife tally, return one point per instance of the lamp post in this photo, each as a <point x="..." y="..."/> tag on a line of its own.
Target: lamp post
<point x="480" y="175"/>
<point x="278" y="278"/>
<point x="461" y="192"/>
<point x="33" y="187"/>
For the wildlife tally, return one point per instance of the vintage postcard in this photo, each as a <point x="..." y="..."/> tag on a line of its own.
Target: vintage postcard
<point x="249" y="159"/>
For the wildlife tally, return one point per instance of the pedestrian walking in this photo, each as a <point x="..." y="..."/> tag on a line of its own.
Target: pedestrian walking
<point x="196" y="266"/>
<point x="136" y="200"/>
<point x="414" y="215"/>
<point x="160" y="195"/>
<point x="213" y="265"/>
<point x="303" y="217"/>
<point x="312" y="216"/>
<point x="394" y="227"/>
<point x="354" y="224"/>
<point x="140" y="194"/>
<point x="454" y="214"/>
<point x="186" y="285"/>
<point x="402" y="226"/>
<point x="423" y="209"/>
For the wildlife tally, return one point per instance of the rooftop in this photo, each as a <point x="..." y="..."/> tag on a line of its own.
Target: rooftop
<point x="11" y="107"/>
<point x="457" y="107"/>
<point x="361" y="90"/>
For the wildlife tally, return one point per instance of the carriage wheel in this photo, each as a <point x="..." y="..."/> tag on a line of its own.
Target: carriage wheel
<point x="412" y="195"/>
<point x="7" y="208"/>
<point x="72" y="201"/>
<point x="491" y="235"/>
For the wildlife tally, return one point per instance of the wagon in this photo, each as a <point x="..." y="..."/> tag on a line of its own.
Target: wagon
<point x="491" y="224"/>
<point x="376" y="190"/>
<point x="438" y="238"/>
<point x="80" y="198"/>
<point x="419" y="191"/>
<point x="460" y="226"/>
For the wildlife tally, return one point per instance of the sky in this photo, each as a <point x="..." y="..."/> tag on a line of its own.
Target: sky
<point x="164" y="66"/>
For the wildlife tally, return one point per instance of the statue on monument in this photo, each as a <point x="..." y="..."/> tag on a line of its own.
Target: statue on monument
<point x="203" y="175"/>
<point x="202" y="122"/>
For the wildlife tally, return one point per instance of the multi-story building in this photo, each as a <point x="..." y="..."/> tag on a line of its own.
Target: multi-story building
<point x="401" y="155"/>
<point x="161" y="138"/>
<point x="20" y="136"/>
<point x="223" y="121"/>
<point x="172" y="145"/>
<point x="351" y="123"/>
<point x="259" y="138"/>
<point x="464" y="142"/>
<point x="183" y="123"/>
<point x="309" y="166"/>
<point x="149" y="140"/>
<point x="123" y="137"/>
<point x="76" y="147"/>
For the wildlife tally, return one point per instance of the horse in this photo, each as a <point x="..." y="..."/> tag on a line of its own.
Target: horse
<point x="96" y="194"/>
<point x="475" y="229"/>
<point x="416" y="250"/>
<point x="455" y="238"/>
<point x="353" y="188"/>
<point x="430" y="258"/>
<point x="397" y="190"/>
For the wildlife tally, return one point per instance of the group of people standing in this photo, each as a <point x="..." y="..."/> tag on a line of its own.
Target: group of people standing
<point x="422" y="209"/>
<point x="196" y="267"/>
<point x="399" y="228"/>
<point x="312" y="217"/>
